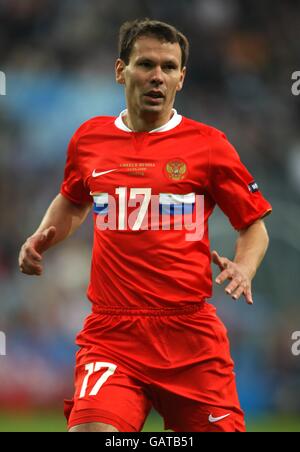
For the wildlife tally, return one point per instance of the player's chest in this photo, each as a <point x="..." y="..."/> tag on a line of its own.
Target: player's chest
<point x="166" y="165"/>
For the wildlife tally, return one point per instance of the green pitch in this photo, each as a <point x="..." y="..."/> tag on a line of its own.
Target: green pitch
<point x="54" y="422"/>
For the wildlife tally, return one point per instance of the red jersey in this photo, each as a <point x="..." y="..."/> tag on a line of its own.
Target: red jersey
<point x="133" y="177"/>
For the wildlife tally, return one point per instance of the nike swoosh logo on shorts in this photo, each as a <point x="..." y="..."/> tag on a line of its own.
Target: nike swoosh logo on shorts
<point x="95" y="174"/>
<point x="212" y="419"/>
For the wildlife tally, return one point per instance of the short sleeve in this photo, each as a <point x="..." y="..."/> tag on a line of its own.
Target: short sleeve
<point x="73" y="186"/>
<point x="233" y="188"/>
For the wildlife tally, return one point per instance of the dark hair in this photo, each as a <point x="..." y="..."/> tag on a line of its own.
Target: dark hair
<point x="131" y="31"/>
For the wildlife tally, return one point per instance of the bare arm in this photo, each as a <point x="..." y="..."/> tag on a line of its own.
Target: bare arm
<point x="251" y="246"/>
<point x="60" y="221"/>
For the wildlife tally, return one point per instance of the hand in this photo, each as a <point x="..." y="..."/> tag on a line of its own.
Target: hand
<point x="30" y="256"/>
<point x="238" y="274"/>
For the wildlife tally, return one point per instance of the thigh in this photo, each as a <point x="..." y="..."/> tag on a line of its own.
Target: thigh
<point x="93" y="427"/>
<point x="104" y="393"/>
<point x="198" y="391"/>
<point x="185" y="415"/>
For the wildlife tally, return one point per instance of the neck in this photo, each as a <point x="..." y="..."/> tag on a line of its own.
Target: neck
<point x="146" y="122"/>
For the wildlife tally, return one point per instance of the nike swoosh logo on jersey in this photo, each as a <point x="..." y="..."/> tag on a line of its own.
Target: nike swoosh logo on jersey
<point x="95" y="174"/>
<point x="216" y="419"/>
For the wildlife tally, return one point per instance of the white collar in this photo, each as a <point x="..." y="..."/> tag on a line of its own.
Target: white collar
<point x="171" y="124"/>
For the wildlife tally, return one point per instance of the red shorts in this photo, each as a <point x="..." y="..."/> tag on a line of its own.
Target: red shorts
<point x="176" y="360"/>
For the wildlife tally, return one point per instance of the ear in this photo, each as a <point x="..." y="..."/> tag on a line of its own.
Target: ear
<point x="119" y="71"/>
<point x="182" y="77"/>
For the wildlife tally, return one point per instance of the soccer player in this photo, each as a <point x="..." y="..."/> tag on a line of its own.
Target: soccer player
<point x="152" y="338"/>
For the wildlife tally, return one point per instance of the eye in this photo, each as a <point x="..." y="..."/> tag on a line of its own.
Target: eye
<point x="145" y="64"/>
<point x="170" y="67"/>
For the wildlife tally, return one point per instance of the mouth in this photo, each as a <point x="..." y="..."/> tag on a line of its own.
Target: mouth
<point x="155" y="96"/>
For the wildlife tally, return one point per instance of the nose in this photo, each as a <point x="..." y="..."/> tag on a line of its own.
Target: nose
<point x="157" y="76"/>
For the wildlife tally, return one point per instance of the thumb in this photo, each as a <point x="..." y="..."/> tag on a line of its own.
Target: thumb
<point x="46" y="237"/>
<point x="47" y="234"/>
<point x="218" y="260"/>
<point x="50" y="233"/>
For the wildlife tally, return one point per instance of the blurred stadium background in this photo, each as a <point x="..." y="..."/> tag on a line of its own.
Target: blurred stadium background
<point x="58" y="57"/>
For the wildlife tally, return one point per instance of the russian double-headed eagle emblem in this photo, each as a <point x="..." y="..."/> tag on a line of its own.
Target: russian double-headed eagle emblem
<point x="176" y="169"/>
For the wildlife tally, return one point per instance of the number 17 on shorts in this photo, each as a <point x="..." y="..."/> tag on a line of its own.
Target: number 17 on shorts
<point x="94" y="368"/>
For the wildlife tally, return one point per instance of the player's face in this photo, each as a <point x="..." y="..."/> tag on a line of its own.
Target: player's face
<point x="152" y="77"/>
